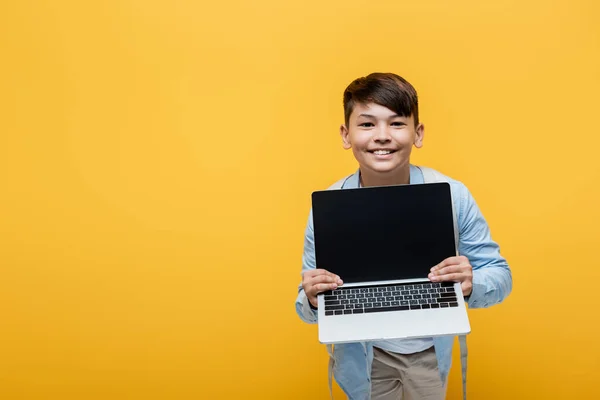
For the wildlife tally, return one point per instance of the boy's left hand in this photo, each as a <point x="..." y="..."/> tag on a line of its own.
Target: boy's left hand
<point x="455" y="269"/>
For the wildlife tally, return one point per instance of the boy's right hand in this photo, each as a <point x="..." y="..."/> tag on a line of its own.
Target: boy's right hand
<point x="315" y="281"/>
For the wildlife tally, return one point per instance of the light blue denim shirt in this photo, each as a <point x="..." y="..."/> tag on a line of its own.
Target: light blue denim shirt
<point x="492" y="282"/>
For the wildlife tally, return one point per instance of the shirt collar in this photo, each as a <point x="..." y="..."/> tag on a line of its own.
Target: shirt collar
<point x="353" y="181"/>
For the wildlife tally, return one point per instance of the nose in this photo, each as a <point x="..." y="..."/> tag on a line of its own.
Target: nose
<point x="381" y="135"/>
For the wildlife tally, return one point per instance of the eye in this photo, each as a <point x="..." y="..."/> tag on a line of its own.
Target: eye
<point x="366" y="125"/>
<point x="398" y="124"/>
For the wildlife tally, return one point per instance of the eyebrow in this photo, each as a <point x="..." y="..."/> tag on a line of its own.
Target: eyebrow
<point x="372" y="116"/>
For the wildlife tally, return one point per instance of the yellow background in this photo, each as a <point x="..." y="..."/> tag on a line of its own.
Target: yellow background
<point x="157" y="160"/>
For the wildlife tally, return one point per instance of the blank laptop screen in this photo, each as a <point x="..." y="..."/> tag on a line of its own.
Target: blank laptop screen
<point x="383" y="233"/>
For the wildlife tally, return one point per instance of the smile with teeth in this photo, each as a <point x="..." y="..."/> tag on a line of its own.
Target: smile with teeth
<point x="382" y="152"/>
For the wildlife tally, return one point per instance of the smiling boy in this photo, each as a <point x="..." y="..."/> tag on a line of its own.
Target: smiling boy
<point x="381" y="127"/>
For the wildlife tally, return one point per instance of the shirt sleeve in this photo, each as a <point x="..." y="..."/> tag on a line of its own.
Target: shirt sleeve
<point x="492" y="278"/>
<point x="303" y="307"/>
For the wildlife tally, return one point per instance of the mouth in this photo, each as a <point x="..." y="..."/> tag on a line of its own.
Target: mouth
<point x="382" y="152"/>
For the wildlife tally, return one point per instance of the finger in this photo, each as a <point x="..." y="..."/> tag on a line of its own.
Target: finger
<point x="335" y="277"/>
<point x="449" y="269"/>
<point x="327" y="273"/>
<point x="322" y="279"/>
<point x="322" y="287"/>
<point x="320" y="271"/>
<point x="314" y="272"/>
<point x="456" y="277"/>
<point x="455" y="260"/>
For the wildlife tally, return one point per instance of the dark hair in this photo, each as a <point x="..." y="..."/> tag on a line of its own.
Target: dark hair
<point x="386" y="89"/>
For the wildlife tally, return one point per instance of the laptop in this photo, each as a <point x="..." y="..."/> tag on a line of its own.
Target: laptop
<point x="382" y="242"/>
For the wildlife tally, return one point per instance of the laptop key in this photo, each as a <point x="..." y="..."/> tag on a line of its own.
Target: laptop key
<point x="389" y="298"/>
<point x="453" y="304"/>
<point x="405" y="292"/>
<point x="358" y="311"/>
<point x="328" y="312"/>
<point x="340" y="307"/>
<point x="348" y="311"/>
<point x="404" y="303"/>
<point x="332" y="303"/>
<point x="398" y="298"/>
<point x="425" y="306"/>
<point x="423" y="301"/>
<point x="330" y="298"/>
<point x="339" y="312"/>
<point x="368" y="305"/>
<point x="414" y="302"/>
<point x="345" y="301"/>
<point x="435" y="305"/>
<point x="381" y="309"/>
<point x="377" y="304"/>
<point x="444" y="305"/>
<point x="386" y="304"/>
<point x="354" y="301"/>
<point x="447" y="299"/>
<point x="415" y="307"/>
<point x="395" y="303"/>
<point x="349" y="306"/>
<point x="447" y="294"/>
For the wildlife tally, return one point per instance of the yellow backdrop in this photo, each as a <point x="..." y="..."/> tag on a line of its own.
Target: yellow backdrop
<point x="157" y="160"/>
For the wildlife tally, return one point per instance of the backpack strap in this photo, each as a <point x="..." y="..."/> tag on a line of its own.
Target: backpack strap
<point x="331" y="366"/>
<point x="431" y="176"/>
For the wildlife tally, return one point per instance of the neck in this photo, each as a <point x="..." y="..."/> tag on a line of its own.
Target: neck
<point x="370" y="178"/>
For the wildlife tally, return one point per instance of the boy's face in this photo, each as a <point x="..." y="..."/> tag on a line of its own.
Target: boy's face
<point x="380" y="139"/>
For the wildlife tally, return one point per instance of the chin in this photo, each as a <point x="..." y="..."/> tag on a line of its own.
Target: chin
<point x="384" y="169"/>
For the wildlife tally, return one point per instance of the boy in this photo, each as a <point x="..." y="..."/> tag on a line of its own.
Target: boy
<point x="381" y="127"/>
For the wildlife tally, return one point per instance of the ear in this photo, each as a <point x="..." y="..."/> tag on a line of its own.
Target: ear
<point x="344" y="133"/>
<point x="420" y="134"/>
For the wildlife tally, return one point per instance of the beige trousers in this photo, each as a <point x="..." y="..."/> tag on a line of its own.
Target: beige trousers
<point x="406" y="376"/>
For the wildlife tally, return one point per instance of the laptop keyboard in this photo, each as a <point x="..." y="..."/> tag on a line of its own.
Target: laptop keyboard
<point x="400" y="297"/>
